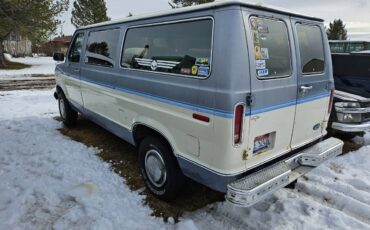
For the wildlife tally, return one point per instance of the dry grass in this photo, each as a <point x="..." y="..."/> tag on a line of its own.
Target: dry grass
<point x="123" y="158"/>
<point x="15" y="65"/>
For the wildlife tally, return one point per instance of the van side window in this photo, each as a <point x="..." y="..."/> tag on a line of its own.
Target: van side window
<point x="311" y="48"/>
<point x="271" y="48"/>
<point x="76" y="48"/>
<point x="177" y="48"/>
<point x="102" y="47"/>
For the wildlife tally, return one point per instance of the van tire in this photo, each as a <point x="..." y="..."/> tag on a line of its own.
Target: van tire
<point x="68" y="115"/>
<point x="168" y="179"/>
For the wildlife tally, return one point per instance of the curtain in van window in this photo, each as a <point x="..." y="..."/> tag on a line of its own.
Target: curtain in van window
<point x="178" y="48"/>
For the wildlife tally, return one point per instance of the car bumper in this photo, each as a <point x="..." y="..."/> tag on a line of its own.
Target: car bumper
<point x="253" y="188"/>
<point x="351" y="127"/>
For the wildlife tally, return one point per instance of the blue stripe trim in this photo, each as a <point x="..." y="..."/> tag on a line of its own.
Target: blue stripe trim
<point x="207" y="110"/>
<point x="287" y="104"/>
<point x="198" y="108"/>
<point x="303" y="100"/>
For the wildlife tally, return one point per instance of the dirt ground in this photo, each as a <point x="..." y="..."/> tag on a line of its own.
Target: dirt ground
<point x="123" y="158"/>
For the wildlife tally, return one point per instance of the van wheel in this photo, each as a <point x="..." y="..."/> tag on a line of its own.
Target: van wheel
<point x="68" y="115"/>
<point x="159" y="168"/>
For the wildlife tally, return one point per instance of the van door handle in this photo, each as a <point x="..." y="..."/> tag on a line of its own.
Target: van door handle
<point x="305" y="88"/>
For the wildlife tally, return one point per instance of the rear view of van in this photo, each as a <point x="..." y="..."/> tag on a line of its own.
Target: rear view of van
<point x="233" y="95"/>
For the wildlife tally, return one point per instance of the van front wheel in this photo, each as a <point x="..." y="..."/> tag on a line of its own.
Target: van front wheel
<point x="68" y="115"/>
<point x="159" y="168"/>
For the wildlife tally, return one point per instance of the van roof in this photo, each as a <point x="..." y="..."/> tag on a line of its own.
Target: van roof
<point x="205" y="6"/>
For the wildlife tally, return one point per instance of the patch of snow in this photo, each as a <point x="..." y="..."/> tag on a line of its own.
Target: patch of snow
<point x="335" y="195"/>
<point x="51" y="182"/>
<point x="39" y="65"/>
<point x="365" y="140"/>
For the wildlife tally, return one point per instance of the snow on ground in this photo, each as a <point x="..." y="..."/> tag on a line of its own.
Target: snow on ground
<point x="335" y="195"/>
<point x="51" y="182"/>
<point x="40" y="65"/>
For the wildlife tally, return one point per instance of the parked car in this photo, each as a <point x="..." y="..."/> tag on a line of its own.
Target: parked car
<point x="351" y="113"/>
<point x="233" y="95"/>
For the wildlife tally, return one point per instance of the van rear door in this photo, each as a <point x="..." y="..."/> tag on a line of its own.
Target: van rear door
<point x="314" y="82"/>
<point x="273" y="85"/>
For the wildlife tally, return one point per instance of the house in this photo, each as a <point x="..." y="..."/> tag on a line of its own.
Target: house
<point x="17" y="46"/>
<point x="57" y="45"/>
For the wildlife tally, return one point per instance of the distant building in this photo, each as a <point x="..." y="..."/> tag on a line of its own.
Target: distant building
<point x="57" y="45"/>
<point x="17" y="46"/>
<point x="348" y="46"/>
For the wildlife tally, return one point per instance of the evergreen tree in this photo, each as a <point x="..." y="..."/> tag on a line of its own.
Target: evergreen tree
<point x="337" y="30"/>
<point x="86" y="12"/>
<point x="190" y="2"/>
<point x="36" y="20"/>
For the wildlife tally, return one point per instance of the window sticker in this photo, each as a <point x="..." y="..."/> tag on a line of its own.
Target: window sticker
<point x="257" y="52"/>
<point x="265" y="53"/>
<point x="185" y="71"/>
<point x="254" y="23"/>
<point x="194" y="70"/>
<point x="260" y="64"/>
<point x="203" y="71"/>
<point x="263" y="72"/>
<point x="256" y="37"/>
<point x="201" y="61"/>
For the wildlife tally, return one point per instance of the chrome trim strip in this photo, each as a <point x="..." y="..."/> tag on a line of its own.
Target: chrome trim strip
<point x="349" y="96"/>
<point x="351" y="127"/>
<point x="352" y="110"/>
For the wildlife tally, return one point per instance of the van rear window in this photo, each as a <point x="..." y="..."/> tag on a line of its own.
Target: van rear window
<point x="311" y="48"/>
<point x="271" y="48"/>
<point x="177" y="48"/>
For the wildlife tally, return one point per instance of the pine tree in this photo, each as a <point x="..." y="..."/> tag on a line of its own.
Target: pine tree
<point x="190" y="2"/>
<point x="337" y="30"/>
<point x="86" y="12"/>
<point x="36" y="20"/>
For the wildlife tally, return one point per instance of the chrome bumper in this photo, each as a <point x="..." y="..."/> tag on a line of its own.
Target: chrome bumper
<point x="351" y="127"/>
<point x="253" y="188"/>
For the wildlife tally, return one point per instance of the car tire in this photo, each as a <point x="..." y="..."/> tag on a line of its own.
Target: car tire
<point x="159" y="168"/>
<point x="68" y="115"/>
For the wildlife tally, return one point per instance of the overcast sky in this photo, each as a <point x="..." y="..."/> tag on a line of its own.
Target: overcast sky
<point x="355" y="13"/>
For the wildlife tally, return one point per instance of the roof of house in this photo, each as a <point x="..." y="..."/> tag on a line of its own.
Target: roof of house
<point x="63" y="39"/>
<point x="205" y="6"/>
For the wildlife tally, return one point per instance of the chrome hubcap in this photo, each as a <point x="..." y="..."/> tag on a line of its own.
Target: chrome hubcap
<point x="62" y="109"/>
<point x="155" y="168"/>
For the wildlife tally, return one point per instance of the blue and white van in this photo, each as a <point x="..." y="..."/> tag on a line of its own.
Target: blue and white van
<point x="233" y="95"/>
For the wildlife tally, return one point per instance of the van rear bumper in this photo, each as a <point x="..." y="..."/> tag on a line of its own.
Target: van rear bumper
<point x="351" y="127"/>
<point x="253" y="188"/>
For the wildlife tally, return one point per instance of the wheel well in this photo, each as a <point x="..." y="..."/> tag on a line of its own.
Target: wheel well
<point x="58" y="90"/>
<point x="141" y="131"/>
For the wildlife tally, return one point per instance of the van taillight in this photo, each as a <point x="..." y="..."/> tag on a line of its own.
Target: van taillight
<point x="331" y="100"/>
<point x="238" y="123"/>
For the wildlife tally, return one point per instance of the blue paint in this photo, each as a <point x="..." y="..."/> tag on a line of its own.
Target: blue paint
<point x="202" y="109"/>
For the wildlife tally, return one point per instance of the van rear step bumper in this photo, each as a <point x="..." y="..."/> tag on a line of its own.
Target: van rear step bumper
<point x="253" y="188"/>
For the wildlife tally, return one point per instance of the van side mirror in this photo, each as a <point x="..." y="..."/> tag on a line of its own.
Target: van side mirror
<point x="58" y="57"/>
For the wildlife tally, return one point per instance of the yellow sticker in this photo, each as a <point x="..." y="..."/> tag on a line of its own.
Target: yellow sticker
<point x="194" y="70"/>
<point x="257" y="52"/>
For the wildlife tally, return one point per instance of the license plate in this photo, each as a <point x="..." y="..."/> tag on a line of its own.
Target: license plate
<point x="261" y="143"/>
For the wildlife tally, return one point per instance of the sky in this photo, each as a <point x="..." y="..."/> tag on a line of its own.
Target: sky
<point x="354" y="13"/>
